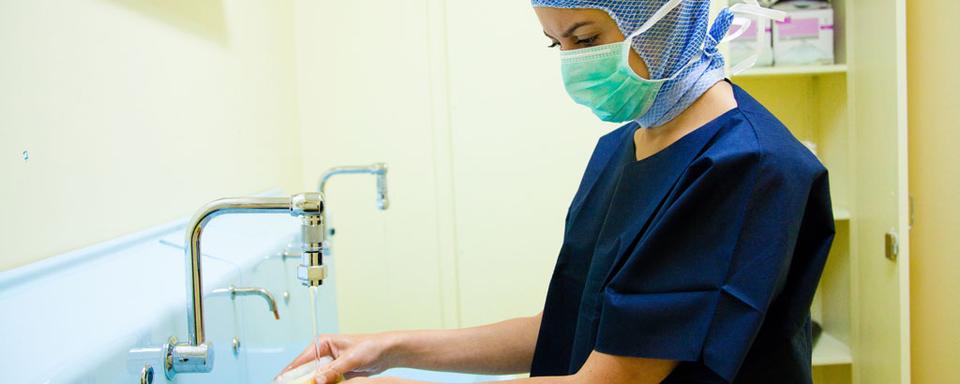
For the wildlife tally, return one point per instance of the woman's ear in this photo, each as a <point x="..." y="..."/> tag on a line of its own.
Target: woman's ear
<point x="638" y="65"/>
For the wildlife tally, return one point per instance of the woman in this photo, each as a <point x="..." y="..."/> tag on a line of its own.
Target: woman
<point x="694" y="245"/>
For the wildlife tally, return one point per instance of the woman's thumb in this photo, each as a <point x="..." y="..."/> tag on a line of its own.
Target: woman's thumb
<point x="333" y="373"/>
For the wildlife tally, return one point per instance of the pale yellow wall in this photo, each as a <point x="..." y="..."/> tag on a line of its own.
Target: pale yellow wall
<point x="134" y="112"/>
<point x="519" y="146"/>
<point x="935" y="186"/>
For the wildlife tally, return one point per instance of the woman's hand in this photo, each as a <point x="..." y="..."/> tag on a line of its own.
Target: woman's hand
<point x="353" y="356"/>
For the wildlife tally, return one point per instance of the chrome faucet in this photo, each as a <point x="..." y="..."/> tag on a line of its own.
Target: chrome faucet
<point x="196" y="354"/>
<point x="261" y="292"/>
<point x="377" y="169"/>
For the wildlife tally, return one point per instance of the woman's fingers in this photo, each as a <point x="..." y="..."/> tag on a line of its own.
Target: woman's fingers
<point x="327" y="377"/>
<point x="334" y="372"/>
<point x="318" y="346"/>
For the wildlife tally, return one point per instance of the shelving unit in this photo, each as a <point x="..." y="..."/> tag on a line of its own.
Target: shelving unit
<point x="830" y="351"/>
<point x="852" y="111"/>
<point x="807" y="70"/>
<point x="841" y="215"/>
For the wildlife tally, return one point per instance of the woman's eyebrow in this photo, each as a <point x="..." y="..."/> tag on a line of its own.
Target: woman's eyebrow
<point x="573" y="28"/>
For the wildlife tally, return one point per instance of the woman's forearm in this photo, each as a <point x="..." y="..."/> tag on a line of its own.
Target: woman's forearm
<point x="500" y="348"/>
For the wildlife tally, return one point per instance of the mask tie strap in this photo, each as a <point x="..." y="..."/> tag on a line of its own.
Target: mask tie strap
<point x="742" y="23"/>
<point x="750" y="7"/>
<point x="655" y="18"/>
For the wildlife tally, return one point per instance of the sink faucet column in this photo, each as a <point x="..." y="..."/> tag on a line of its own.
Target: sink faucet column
<point x="311" y="271"/>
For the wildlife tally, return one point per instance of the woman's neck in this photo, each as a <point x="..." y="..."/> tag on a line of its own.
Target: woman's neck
<point x="716" y="101"/>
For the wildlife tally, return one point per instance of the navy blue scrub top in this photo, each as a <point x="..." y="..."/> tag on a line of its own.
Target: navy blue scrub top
<point x="707" y="253"/>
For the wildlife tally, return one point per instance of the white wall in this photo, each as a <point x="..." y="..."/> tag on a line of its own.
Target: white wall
<point x="135" y="112"/>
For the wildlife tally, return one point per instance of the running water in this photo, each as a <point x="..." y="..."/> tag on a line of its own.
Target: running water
<point x="314" y="309"/>
<point x="305" y="373"/>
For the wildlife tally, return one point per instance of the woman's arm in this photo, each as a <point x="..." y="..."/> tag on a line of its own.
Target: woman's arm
<point x="599" y="368"/>
<point x="500" y="348"/>
<point x="505" y="347"/>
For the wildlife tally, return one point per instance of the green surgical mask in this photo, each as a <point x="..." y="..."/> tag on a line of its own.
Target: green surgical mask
<point x="601" y="77"/>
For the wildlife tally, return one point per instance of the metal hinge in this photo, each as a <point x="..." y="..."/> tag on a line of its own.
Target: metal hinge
<point x="892" y="245"/>
<point x="912" y="212"/>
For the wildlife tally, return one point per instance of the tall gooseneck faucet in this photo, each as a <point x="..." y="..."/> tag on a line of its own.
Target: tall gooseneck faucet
<point x="196" y="354"/>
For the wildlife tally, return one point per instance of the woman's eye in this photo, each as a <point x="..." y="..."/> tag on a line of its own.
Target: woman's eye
<point x="588" y="41"/>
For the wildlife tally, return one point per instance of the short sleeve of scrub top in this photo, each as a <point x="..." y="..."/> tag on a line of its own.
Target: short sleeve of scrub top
<point x="707" y="253"/>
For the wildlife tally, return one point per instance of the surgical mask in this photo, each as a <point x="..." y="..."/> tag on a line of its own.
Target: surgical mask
<point x="601" y="78"/>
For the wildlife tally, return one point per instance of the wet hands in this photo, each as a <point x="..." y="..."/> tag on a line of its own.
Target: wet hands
<point x="354" y="357"/>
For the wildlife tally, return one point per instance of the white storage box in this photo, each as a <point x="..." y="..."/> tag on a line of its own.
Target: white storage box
<point x="805" y="37"/>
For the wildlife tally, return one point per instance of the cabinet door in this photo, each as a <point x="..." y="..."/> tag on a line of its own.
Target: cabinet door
<point x="877" y="77"/>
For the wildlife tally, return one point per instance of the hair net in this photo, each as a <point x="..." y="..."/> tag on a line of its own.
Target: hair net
<point x="676" y="47"/>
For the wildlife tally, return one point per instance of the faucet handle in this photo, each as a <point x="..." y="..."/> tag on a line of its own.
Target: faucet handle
<point x="187" y="358"/>
<point x="306" y="204"/>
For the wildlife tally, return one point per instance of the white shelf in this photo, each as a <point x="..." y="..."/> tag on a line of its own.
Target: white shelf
<point x="830" y="351"/>
<point x="841" y="215"/>
<point x="806" y="70"/>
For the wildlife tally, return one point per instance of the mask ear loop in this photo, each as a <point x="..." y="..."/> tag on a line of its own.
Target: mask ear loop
<point x="751" y="7"/>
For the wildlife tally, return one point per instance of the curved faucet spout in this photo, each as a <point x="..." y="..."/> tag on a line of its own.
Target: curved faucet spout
<point x="377" y="169"/>
<point x="252" y="291"/>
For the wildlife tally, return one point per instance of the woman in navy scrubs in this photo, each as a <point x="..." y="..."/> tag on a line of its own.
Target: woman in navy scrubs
<point x="694" y="244"/>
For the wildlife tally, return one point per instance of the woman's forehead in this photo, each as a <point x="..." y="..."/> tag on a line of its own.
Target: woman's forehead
<point x="559" y="22"/>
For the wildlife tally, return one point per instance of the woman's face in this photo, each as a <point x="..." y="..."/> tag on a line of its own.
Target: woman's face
<point x="579" y="28"/>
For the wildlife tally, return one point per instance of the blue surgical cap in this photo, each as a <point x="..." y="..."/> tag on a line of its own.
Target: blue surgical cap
<point x="678" y="47"/>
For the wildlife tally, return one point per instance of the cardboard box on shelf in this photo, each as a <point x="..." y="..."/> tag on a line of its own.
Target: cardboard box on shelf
<point x="805" y="37"/>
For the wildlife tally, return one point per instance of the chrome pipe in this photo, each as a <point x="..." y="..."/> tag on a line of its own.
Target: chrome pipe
<point x="235" y="205"/>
